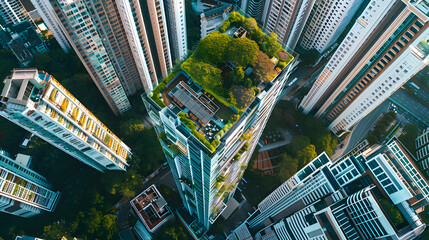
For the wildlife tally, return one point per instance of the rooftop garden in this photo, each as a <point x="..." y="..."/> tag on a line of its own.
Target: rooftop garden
<point x="226" y="71"/>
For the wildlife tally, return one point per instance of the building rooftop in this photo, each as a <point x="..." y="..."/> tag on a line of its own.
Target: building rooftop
<point x="219" y="82"/>
<point x="151" y="208"/>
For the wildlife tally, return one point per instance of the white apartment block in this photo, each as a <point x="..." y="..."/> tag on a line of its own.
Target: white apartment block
<point x="287" y="19"/>
<point x="326" y="22"/>
<point x="177" y="28"/>
<point x="23" y="192"/>
<point x="386" y="47"/>
<point x="12" y="12"/>
<point x="46" y="12"/>
<point x="38" y="103"/>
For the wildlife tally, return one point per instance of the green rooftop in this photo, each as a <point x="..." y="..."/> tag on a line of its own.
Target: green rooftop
<point x="225" y="73"/>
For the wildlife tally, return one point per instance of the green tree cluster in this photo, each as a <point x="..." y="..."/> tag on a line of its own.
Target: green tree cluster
<point x="408" y="137"/>
<point x="380" y="129"/>
<point x="243" y="51"/>
<point x="213" y="48"/>
<point x="263" y="69"/>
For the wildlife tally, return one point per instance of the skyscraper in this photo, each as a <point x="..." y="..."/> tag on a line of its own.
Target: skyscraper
<point x="378" y="194"/>
<point x="176" y="15"/>
<point x="12" y="12"/>
<point x="23" y="192"/>
<point x="38" y="103"/>
<point x="326" y="22"/>
<point x="45" y="10"/>
<point x="208" y="141"/>
<point x="386" y="46"/>
<point x="105" y="37"/>
<point x="155" y="20"/>
<point x="253" y="7"/>
<point x="287" y="19"/>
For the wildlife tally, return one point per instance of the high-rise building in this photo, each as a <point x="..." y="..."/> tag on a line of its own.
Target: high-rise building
<point x="105" y="37"/>
<point x="254" y="8"/>
<point x="378" y="194"/>
<point x="36" y="102"/>
<point x="46" y="12"/>
<point x="12" y="12"/>
<point x="326" y="22"/>
<point x="155" y="19"/>
<point x="175" y="11"/>
<point x="385" y="47"/>
<point x="287" y="19"/>
<point x="23" y="40"/>
<point x="422" y="150"/>
<point x="23" y="192"/>
<point x="207" y="141"/>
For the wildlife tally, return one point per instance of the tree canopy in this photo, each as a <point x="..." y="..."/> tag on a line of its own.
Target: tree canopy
<point x="213" y="47"/>
<point x="243" y="51"/>
<point x="242" y="95"/>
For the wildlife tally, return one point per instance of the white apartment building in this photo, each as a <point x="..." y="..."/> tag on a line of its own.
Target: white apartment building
<point x="177" y="28"/>
<point x="38" y="103"/>
<point x="287" y="19"/>
<point x="326" y="22"/>
<point x="23" y="192"/>
<point x="385" y="47"/>
<point x="46" y="12"/>
<point x="12" y="12"/>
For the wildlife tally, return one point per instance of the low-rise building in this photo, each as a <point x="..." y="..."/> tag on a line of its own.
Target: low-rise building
<point x="152" y="210"/>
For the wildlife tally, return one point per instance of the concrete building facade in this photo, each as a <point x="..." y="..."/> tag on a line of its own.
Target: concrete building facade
<point x="38" y="103"/>
<point x="12" y="12"/>
<point x="386" y="47"/>
<point x="176" y="15"/>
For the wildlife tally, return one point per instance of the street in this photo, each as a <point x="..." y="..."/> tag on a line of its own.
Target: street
<point x="408" y="103"/>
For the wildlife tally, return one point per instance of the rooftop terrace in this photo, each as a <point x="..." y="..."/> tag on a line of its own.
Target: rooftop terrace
<point x="219" y="81"/>
<point x="151" y="208"/>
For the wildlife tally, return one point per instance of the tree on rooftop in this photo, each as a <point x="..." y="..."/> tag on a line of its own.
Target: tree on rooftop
<point x="264" y="68"/>
<point x="250" y="24"/>
<point x="244" y="96"/>
<point x="212" y="48"/>
<point x="243" y="51"/>
<point x="236" y="18"/>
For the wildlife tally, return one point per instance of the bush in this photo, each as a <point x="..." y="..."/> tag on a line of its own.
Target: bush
<point x="203" y="140"/>
<point x="188" y="122"/>
<point x="224" y="26"/>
